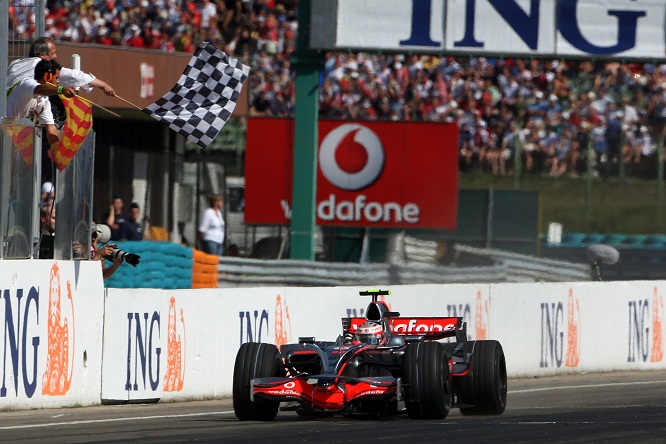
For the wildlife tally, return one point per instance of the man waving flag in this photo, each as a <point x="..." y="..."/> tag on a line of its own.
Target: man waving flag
<point x="202" y="101"/>
<point x="75" y="131"/>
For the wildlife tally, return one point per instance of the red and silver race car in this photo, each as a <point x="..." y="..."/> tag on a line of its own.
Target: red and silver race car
<point x="382" y="364"/>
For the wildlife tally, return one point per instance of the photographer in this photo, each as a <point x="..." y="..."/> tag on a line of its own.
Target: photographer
<point x="98" y="254"/>
<point x="101" y="234"/>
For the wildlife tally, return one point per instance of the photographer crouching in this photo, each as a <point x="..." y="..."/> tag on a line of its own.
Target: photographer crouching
<point x="101" y="235"/>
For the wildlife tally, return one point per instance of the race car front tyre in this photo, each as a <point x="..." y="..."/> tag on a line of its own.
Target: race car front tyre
<point x="254" y="360"/>
<point x="484" y="388"/>
<point x="427" y="380"/>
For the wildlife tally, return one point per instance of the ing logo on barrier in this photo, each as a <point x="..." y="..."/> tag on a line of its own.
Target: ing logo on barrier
<point x="174" y="377"/>
<point x="573" y="333"/>
<point x="646" y="329"/>
<point x="657" y="352"/>
<point x="555" y="350"/>
<point x="57" y="378"/>
<point x="282" y="322"/>
<point x="481" y="317"/>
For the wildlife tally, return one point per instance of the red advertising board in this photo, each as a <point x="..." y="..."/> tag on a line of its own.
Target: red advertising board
<point x="372" y="173"/>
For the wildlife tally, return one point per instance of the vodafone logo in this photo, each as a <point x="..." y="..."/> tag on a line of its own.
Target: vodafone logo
<point x="351" y="157"/>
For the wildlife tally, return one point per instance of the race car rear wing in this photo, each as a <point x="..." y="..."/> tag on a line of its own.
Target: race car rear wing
<point x="430" y="328"/>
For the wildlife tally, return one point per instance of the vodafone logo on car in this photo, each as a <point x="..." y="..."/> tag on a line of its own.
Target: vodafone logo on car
<point x="422" y="325"/>
<point x="351" y="157"/>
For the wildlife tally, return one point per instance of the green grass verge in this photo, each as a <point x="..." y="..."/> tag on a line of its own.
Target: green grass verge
<point x="614" y="207"/>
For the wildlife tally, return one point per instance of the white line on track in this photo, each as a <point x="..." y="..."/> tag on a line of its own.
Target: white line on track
<point x="98" y="421"/>
<point x="568" y="387"/>
<point x="144" y="418"/>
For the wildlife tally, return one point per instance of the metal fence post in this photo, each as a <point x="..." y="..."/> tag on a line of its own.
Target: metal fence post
<point x="620" y="159"/>
<point x="517" y="160"/>
<point x="590" y="162"/>
<point x="660" y="177"/>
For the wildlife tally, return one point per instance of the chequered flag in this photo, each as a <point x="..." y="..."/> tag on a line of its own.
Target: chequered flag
<point x="201" y="102"/>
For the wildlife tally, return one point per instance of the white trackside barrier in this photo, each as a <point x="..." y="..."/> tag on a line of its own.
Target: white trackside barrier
<point x="545" y="329"/>
<point x="52" y="315"/>
<point x="175" y="345"/>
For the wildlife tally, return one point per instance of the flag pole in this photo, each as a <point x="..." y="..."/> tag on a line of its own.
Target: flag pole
<point x="128" y="102"/>
<point x="92" y="103"/>
<point x="99" y="106"/>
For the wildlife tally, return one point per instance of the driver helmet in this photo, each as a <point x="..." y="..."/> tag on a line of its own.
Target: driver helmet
<point x="370" y="333"/>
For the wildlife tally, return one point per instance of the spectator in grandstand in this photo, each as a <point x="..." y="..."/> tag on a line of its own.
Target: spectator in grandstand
<point x="465" y="148"/>
<point x="560" y="160"/>
<point x="510" y="138"/>
<point x="261" y="106"/>
<point x="561" y="94"/>
<point x="133" y="37"/>
<point x="643" y="142"/>
<point x="601" y="150"/>
<point x="529" y="142"/>
<point x="614" y="136"/>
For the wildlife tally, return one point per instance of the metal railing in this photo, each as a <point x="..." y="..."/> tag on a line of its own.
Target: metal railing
<point x="504" y="267"/>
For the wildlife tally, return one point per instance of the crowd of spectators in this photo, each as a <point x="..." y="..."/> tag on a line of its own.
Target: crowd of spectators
<point x="555" y="110"/>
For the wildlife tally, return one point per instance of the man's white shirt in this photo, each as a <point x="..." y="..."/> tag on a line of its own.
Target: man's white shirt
<point x="23" y="69"/>
<point x="22" y="102"/>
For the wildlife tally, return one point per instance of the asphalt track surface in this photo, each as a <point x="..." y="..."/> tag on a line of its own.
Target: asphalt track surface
<point x="610" y="407"/>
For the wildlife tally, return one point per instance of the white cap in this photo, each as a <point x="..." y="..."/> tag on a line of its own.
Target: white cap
<point x="47" y="187"/>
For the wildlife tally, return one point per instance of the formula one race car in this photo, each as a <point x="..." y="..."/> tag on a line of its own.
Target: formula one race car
<point x="382" y="364"/>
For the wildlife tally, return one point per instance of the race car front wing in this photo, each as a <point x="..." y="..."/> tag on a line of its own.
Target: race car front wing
<point x="326" y="393"/>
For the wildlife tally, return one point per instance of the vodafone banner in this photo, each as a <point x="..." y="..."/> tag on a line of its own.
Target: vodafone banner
<point x="374" y="174"/>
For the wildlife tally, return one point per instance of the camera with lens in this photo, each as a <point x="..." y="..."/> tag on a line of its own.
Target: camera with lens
<point x="130" y="258"/>
<point x="102" y="233"/>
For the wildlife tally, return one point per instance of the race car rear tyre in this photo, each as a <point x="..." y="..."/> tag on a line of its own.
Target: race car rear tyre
<point x="484" y="388"/>
<point x="254" y="360"/>
<point x="427" y="380"/>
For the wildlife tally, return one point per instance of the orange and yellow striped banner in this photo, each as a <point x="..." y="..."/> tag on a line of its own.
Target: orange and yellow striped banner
<point x="75" y="131"/>
<point x="22" y="139"/>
